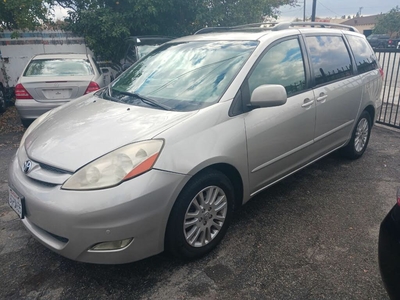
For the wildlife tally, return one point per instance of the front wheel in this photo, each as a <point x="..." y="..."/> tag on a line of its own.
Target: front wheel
<point x="200" y="216"/>
<point x="360" y="137"/>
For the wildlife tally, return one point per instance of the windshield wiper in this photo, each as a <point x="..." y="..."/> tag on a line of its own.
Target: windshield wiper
<point x="107" y="95"/>
<point x="144" y="99"/>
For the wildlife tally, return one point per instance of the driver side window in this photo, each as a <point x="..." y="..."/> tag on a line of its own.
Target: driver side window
<point x="282" y="64"/>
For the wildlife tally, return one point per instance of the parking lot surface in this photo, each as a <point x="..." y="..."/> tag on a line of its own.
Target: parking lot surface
<point x="312" y="236"/>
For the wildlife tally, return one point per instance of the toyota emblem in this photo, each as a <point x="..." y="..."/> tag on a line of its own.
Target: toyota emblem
<point x="27" y="166"/>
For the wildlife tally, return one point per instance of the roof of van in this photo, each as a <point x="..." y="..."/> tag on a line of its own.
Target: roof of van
<point x="257" y="30"/>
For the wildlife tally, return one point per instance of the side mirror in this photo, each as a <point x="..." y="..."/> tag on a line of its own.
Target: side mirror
<point x="268" y="95"/>
<point x="105" y="70"/>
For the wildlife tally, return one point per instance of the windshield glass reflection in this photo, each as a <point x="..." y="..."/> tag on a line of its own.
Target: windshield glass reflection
<point x="183" y="76"/>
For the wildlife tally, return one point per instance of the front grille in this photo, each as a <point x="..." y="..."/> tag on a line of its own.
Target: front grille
<point x="53" y="169"/>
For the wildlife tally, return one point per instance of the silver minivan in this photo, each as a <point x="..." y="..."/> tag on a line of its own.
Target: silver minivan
<point x="159" y="159"/>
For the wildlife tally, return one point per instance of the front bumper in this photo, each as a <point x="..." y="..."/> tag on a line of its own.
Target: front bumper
<point x="389" y="252"/>
<point x="71" y="222"/>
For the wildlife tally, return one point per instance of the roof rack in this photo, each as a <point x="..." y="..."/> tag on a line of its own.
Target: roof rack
<point x="244" y="27"/>
<point x="282" y="26"/>
<point x="273" y="26"/>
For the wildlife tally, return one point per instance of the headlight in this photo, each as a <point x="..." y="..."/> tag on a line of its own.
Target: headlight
<point x="117" y="166"/>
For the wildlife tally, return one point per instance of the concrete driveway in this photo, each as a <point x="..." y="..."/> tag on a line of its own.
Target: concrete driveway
<point x="312" y="236"/>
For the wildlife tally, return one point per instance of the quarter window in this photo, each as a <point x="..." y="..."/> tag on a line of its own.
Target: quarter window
<point x="282" y="64"/>
<point x="364" y="55"/>
<point x="330" y="58"/>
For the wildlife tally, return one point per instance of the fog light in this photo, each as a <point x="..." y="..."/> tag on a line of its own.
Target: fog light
<point x="114" y="245"/>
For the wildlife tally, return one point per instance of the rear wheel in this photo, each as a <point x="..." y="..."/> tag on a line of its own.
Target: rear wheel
<point x="200" y="216"/>
<point x="360" y="137"/>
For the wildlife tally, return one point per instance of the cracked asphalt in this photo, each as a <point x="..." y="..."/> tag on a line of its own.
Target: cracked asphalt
<point x="312" y="236"/>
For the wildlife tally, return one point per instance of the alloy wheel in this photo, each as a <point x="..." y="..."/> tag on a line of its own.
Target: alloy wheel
<point x="361" y="135"/>
<point x="205" y="216"/>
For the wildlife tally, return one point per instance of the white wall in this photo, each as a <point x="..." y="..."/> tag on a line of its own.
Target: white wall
<point x="15" y="53"/>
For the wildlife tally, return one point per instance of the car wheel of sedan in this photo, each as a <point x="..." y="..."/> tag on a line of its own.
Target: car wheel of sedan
<point x="2" y="102"/>
<point x="360" y="137"/>
<point x="200" y="216"/>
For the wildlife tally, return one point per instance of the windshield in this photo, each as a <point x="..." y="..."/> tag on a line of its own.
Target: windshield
<point x="183" y="76"/>
<point x="59" y="67"/>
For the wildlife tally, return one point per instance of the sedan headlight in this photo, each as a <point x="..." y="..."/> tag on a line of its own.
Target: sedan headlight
<point x="117" y="166"/>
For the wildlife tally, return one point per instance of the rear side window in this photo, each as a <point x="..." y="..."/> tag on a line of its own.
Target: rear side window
<point x="58" y="67"/>
<point x="330" y="58"/>
<point x="282" y="64"/>
<point x="363" y="54"/>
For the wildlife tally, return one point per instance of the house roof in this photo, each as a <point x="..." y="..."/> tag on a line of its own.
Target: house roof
<point x="359" y="21"/>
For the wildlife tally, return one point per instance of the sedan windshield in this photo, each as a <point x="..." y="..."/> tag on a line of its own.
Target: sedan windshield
<point x="182" y="76"/>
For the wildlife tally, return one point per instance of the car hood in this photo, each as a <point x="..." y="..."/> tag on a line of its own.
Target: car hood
<point x="85" y="129"/>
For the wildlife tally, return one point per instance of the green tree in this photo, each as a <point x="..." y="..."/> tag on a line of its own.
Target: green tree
<point x="106" y="23"/>
<point x="23" y="14"/>
<point x="389" y="23"/>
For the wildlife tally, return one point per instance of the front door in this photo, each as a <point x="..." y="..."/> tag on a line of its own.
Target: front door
<point x="278" y="138"/>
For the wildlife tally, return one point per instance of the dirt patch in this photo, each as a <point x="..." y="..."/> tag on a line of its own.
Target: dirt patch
<point x="10" y="122"/>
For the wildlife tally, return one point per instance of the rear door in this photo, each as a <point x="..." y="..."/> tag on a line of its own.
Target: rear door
<point x="279" y="138"/>
<point x="337" y="91"/>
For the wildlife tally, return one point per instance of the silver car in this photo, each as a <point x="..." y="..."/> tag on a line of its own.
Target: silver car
<point x="50" y="80"/>
<point x="159" y="159"/>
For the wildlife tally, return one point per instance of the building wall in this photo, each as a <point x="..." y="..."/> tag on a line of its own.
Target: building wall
<point x="15" y="53"/>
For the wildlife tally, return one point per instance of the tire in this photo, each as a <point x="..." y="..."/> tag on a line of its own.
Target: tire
<point x="208" y="219"/>
<point x="359" y="138"/>
<point x="26" y="122"/>
<point x="3" y="105"/>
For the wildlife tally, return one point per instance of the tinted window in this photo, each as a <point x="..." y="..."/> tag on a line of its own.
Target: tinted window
<point x="329" y="58"/>
<point x="58" y="67"/>
<point x="365" y="57"/>
<point x="282" y="64"/>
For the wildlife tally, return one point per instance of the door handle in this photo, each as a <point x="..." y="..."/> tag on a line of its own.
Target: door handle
<point x="322" y="97"/>
<point x="307" y="102"/>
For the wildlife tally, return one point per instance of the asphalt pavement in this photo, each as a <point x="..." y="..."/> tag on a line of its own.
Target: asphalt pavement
<point x="312" y="236"/>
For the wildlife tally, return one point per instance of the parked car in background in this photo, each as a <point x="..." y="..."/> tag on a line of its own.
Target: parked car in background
<point x="378" y="40"/>
<point x="389" y="250"/>
<point x="50" y="80"/>
<point x="394" y="43"/>
<point x="136" y="47"/>
<point x="161" y="157"/>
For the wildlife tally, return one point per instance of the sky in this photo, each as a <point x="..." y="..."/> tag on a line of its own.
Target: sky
<point x="325" y="8"/>
<point x="338" y="8"/>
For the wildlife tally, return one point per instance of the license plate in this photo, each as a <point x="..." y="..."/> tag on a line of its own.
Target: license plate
<point x="16" y="202"/>
<point x="57" y="94"/>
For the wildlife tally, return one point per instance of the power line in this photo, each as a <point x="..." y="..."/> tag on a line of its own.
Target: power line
<point x="328" y="8"/>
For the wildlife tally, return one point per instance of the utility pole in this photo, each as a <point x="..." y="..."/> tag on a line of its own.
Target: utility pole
<point x="314" y="8"/>
<point x="304" y="11"/>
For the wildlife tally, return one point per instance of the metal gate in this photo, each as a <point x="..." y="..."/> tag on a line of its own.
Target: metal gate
<point x="390" y="63"/>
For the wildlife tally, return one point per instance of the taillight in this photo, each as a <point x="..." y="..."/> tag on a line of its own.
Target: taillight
<point x="21" y="92"/>
<point x="381" y="72"/>
<point x="93" y="86"/>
